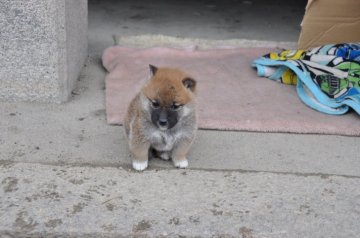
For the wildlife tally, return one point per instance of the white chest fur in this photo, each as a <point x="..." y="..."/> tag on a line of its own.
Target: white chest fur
<point x="164" y="141"/>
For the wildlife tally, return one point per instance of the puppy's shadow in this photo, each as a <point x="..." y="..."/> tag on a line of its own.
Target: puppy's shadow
<point x="156" y="162"/>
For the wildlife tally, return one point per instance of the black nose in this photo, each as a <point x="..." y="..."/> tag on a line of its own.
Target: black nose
<point x="163" y="122"/>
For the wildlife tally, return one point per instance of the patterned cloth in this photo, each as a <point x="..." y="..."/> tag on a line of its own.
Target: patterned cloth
<point x="327" y="78"/>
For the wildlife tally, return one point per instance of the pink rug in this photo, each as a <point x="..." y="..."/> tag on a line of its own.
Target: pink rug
<point x="230" y="94"/>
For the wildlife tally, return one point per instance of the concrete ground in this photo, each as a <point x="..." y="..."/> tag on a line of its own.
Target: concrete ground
<point x="64" y="172"/>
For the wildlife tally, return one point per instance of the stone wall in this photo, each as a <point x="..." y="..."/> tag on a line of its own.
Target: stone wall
<point x="43" y="48"/>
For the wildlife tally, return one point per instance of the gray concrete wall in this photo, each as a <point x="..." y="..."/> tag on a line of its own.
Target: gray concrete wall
<point x="43" y="48"/>
<point x="76" y="40"/>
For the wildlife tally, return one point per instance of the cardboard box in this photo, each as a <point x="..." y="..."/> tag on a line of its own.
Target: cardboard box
<point x="330" y="21"/>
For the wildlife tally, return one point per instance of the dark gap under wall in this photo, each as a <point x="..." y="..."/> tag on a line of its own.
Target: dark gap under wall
<point x="274" y="20"/>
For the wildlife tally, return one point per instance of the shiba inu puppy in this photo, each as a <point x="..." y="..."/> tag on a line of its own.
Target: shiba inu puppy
<point x="161" y="120"/>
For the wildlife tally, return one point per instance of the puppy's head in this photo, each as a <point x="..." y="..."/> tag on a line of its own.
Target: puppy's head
<point x="170" y="94"/>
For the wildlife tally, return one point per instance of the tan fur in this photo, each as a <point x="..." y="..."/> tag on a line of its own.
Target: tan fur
<point x="168" y="86"/>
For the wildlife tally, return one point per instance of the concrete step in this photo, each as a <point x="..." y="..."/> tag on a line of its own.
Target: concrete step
<point x="72" y="201"/>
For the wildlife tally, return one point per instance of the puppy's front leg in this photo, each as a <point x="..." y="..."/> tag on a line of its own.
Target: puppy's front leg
<point x="179" y="152"/>
<point x="140" y="156"/>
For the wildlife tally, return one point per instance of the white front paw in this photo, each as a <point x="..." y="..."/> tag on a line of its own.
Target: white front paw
<point x="181" y="164"/>
<point x="140" y="165"/>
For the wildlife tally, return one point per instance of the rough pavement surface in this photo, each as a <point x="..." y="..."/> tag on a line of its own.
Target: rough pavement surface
<point x="62" y="201"/>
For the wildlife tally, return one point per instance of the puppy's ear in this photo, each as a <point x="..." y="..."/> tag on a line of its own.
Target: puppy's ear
<point x="153" y="70"/>
<point x="189" y="83"/>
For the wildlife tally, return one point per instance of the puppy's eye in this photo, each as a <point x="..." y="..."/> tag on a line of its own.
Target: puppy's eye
<point x="175" y="106"/>
<point x="155" y="104"/>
